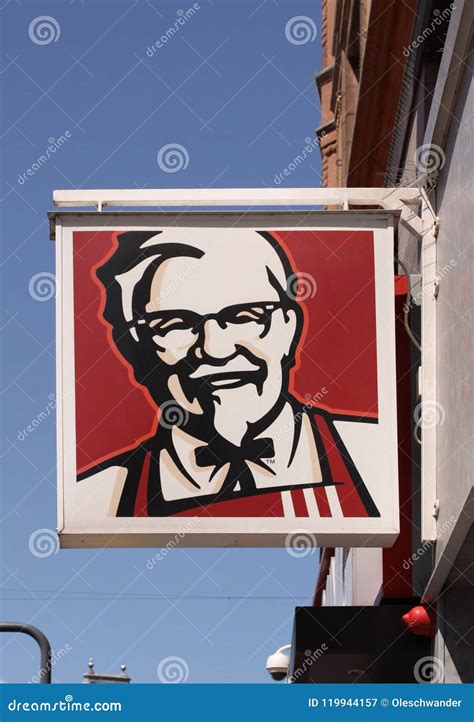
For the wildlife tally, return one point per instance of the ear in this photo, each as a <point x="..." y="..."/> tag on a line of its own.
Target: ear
<point x="293" y="323"/>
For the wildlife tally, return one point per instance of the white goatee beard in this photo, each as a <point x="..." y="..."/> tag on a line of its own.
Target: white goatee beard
<point x="235" y="410"/>
<point x="233" y="430"/>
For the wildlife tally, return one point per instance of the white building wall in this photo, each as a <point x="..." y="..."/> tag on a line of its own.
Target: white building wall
<point x="355" y="578"/>
<point x="455" y="313"/>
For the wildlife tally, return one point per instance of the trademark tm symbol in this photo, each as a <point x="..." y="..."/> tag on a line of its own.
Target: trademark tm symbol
<point x="269" y="461"/>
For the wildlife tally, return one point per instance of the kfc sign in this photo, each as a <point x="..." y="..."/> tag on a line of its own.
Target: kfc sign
<point x="226" y="379"/>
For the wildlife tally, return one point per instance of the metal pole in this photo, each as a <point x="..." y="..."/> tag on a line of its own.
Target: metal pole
<point x="43" y="642"/>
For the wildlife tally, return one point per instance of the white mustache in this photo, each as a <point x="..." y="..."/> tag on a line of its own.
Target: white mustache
<point x="237" y="365"/>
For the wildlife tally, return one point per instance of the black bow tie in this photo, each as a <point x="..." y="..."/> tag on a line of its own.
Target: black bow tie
<point x="220" y="451"/>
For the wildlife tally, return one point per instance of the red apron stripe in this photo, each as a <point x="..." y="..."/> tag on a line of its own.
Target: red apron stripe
<point x="299" y="502"/>
<point x="322" y="502"/>
<point x="141" y="499"/>
<point x="348" y="495"/>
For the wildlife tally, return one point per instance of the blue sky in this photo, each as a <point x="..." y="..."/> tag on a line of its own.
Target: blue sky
<point x="239" y="96"/>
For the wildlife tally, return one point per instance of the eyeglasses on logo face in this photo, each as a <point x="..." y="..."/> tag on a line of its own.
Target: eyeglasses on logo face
<point x="162" y="323"/>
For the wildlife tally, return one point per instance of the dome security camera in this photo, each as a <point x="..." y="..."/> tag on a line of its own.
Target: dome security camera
<point x="278" y="664"/>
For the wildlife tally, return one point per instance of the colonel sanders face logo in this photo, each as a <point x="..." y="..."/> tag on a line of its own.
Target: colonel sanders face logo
<point x="208" y="323"/>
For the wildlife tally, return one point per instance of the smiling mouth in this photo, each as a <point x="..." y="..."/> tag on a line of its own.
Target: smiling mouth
<point x="231" y="379"/>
